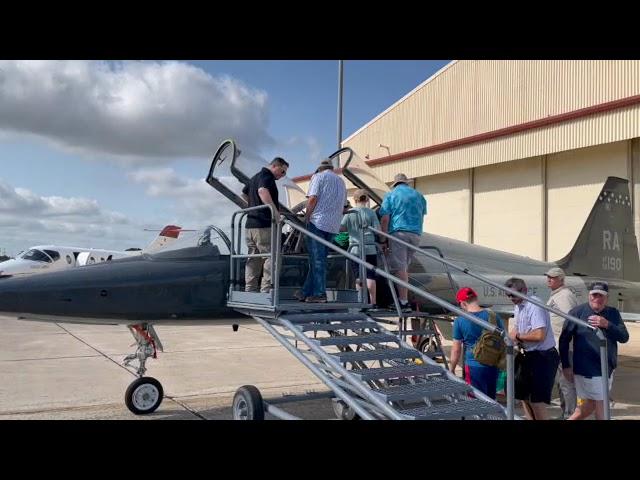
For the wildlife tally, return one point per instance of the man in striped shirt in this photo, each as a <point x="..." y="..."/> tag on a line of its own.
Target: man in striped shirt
<point x="327" y="195"/>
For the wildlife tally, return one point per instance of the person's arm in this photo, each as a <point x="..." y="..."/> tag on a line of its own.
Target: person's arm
<point x="536" y="335"/>
<point x="265" y="196"/>
<point x="616" y="329"/>
<point x="563" y="345"/>
<point x="456" y="350"/>
<point x="245" y="194"/>
<point x="343" y="224"/>
<point x="385" y="213"/>
<point x="384" y="223"/>
<point x="539" y="322"/>
<point x="456" y="347"/>
<point x="311" y="204"/>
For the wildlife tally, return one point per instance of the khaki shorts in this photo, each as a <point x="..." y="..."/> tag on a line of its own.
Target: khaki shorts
<point x="590" y="388"/>
<point x="400" y="256"/>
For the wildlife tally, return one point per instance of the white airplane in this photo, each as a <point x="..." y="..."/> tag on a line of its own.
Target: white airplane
<point x="52" y="258"/>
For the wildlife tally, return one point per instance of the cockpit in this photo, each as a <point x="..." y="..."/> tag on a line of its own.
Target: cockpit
<point x="37" y="255"/>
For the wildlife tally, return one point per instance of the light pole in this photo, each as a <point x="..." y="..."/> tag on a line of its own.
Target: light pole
<point x="339" y="104"/>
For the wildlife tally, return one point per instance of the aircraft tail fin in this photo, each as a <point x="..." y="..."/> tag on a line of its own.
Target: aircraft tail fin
<point x="169" y="234"/>
<point x="607" y="245"/>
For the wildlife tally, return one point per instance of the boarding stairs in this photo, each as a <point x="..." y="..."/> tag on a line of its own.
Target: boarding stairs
<point x="370" y="369"/>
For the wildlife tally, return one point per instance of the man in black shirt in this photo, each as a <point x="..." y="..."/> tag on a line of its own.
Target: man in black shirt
<point x="261" y="190"/>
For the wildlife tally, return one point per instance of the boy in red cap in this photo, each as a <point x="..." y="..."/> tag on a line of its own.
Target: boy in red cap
<point x="483" y="377"/>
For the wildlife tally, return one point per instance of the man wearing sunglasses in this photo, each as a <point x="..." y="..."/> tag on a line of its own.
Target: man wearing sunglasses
<point x="532" y="330"/>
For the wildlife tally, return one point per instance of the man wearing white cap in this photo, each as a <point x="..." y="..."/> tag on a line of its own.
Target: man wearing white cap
<point x="584" y="367"/>
<point x="563" y="299"/>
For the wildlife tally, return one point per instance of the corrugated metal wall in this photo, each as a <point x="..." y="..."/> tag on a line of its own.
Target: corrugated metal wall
<point x="448" y="204"/>
<point x="508" y="207"/>
<point x="473" y="97"/>
<point x="574" y="180"/>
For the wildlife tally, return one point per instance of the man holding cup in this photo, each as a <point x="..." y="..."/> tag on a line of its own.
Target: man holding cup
<point x="584" y="369"/>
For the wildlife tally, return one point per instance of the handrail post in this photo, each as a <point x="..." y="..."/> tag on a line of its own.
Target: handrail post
<point x="510" y="375"/>
<point x="363" y="275"/>
<point x="604" y="371"/>
<point x="275" y="244"/>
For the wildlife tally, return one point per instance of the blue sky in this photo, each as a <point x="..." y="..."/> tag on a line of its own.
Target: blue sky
<point x="91" y="153"/>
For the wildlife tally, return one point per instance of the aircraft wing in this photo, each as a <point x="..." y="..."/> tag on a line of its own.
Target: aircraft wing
<point x="507" y="312"/>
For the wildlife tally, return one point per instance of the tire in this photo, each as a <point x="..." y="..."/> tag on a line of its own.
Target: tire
<point x="343" y="411"/>
<point x="144" y="395"/>
<point x="247" y="404"/>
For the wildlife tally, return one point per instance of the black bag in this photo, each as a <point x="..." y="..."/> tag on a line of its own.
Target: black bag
<point x="521" y="376"/>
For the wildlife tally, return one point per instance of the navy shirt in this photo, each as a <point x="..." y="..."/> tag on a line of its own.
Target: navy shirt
<point x="263" y="179"/>
<point x="468" y="333"/>
<point x="586" y="346"/>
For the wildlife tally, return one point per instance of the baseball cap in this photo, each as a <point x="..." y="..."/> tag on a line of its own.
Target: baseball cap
<point x="599" y="287"/>
<point x="465" y="294"/>
<point x="555" y="272"/>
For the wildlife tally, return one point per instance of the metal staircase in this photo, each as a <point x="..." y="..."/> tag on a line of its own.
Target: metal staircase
<point x="371" y="371"/>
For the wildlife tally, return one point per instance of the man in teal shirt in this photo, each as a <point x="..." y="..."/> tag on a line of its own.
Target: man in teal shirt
<point x="402" y="211"/>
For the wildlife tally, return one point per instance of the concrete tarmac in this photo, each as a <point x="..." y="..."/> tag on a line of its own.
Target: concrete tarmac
<point x="69" y="371"/>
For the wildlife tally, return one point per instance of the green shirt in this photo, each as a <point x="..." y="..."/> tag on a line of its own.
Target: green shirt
<point x="354" y="221"/>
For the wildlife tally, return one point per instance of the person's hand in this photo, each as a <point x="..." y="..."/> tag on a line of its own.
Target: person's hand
<point x="513" y="333"/>
<point x="568" y="374"/>
<point x="598" y="321"/>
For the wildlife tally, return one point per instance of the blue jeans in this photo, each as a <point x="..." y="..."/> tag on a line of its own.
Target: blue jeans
<point x="316" y="283"/>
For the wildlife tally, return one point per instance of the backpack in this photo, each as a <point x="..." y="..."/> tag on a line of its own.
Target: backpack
<point x="490" y="348"/>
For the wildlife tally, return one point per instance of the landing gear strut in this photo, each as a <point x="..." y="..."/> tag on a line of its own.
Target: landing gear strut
<point x="145" y="394"/>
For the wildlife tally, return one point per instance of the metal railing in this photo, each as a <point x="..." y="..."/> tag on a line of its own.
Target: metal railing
<point x="604" y="366"/>
<point x="434" y="299"/>
<point x="273" y="255"/>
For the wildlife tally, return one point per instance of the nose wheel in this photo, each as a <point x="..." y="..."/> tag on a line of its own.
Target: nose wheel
<point x="144" y="395"/>
<point x="248" y="404"/>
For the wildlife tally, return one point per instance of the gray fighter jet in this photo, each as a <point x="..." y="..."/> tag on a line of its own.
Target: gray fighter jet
<point x="187" y="284"/>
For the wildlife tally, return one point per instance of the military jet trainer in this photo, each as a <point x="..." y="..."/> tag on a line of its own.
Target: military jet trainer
<point x="202" y="282"/>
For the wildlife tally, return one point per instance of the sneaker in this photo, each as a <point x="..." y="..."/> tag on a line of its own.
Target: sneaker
<point x="405" y="307"/>
<point x="299" y="296"/>
<point x="314" y="299"/>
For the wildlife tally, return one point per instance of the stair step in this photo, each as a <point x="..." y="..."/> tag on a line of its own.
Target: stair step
<point x="328" y="327"/>
<point x="432" y="388"/>
<point x="299" y="318"/>
<point x="377" y="354"/>
<point x="357" y="339"/>
<point x="402" y="371"/>
<point x="457" y="411"/>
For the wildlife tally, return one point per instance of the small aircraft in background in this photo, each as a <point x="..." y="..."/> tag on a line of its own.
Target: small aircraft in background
<point x="53" y="258"/>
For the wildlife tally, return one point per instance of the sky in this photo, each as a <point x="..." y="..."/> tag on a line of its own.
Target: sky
<point x="94" y="153"/>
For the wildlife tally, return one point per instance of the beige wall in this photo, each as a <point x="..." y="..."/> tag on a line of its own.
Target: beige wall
<point x="574" y="179"/>
<point x="472" y="97"/>
<point x="447" y="204"/>
<point x="508" y="207"/>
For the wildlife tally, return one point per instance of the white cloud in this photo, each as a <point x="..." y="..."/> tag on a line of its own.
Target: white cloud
<point x="131" y="110"/>
<point x="196" y="203"/>
<point x="27" y="218"/>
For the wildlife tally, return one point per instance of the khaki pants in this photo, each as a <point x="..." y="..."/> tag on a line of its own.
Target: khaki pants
<point x="258" y="241"/>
